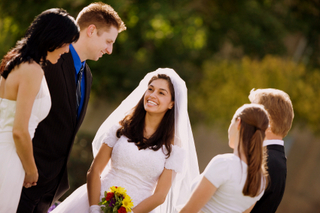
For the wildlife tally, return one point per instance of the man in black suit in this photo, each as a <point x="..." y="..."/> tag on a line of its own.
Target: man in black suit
<point x="279" y="106"/>
<point x="69" y="82"/>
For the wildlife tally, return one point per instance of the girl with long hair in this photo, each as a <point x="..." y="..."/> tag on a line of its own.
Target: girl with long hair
<point x="146" y="146"/>
<point x="234" y="182"/>
<point x="25" y="99"/>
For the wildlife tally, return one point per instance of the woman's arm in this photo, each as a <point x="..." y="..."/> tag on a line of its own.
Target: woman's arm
<point x="159" y="195"/>
<point x="26" y="82"/>
<point x="200" y="196"/>
<point x="94" y="172"/>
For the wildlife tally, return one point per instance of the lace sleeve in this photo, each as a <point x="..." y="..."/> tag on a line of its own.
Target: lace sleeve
<point x="110" y="138"/>
<point x="176" y="160"/>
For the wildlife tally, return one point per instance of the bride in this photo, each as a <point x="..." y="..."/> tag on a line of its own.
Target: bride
<point x="146" y="146"/>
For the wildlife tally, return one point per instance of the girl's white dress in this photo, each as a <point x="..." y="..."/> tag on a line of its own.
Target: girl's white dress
<point x="228" y="174"/>
<point x="135" y="170"/>
<point x="11" y="170"/>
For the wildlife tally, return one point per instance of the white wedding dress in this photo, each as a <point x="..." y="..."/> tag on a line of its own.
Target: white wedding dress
<point x="11" y="171"/>
<point x="135" y="170"/>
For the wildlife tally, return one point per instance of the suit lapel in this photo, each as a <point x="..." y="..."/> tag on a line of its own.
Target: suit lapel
<point x="88" y="83"/>
<point x="69" y="77"/>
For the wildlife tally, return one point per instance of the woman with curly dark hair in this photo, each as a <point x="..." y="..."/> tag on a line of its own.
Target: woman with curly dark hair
<point x="25" y="99"/>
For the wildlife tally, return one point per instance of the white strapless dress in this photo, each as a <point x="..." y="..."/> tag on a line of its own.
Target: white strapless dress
<point x="11" y="170"/>
<point x="135" y="170"/>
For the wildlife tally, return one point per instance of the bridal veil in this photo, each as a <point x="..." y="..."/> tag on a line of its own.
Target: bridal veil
<point x="182" y="181"/>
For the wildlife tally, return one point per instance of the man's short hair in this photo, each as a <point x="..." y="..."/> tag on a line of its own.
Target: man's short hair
<point x="279" y="107"/>
<point x="101" y="15"/>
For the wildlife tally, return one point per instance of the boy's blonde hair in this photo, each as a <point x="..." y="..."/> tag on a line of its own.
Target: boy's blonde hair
<point x="279" y="107"/>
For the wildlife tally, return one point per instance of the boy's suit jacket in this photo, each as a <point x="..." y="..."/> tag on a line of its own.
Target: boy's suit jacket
<point x="277" y="168"/>
<point x="55" y="135"/>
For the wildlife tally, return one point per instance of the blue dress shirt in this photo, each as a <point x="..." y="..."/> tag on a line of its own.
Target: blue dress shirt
<point x="77" y="65"/>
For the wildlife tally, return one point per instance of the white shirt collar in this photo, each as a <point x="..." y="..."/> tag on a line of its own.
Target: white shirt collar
<point x="273" y="142"/>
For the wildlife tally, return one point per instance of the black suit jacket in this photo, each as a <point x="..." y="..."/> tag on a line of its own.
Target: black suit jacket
<point x="55" y="135"/>
<point x="277" y="168"/>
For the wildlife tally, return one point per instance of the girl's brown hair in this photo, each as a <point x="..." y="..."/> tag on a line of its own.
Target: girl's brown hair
<point x="254" y="122"/>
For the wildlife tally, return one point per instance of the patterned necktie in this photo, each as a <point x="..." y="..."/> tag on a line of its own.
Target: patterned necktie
<point x="78" y="89"/>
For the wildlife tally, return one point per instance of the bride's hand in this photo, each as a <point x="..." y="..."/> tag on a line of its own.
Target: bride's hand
<point x="30" y="179"/>
<point x="95" y="209"/>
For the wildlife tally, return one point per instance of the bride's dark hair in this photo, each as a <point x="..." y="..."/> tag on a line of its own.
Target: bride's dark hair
<point x="50" y="30"/>
<point x="132" y="125"/>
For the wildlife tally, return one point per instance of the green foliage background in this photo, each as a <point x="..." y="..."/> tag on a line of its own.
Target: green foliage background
<point x="190" y="36"/>
<point x="226" y="85"/>
<point x="222" y="49"/>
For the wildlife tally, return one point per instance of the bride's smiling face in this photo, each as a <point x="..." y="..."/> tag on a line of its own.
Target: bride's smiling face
<point x="157" y="98"/>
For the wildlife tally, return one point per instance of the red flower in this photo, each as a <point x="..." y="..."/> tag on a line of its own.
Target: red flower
<point x="109" y="196"/>
<point x="122" y="210"/>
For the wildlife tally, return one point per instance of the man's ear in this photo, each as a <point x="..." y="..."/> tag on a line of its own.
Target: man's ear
<point x="91" y="29"/>
<point x="268" y="130"/>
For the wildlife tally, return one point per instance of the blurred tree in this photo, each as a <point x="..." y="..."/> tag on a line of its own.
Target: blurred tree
<point x="7" y="29"/>
<point x="303" y="17"/>
<point x="178" y="34"/>
<point x="252" y="25"/>
<point x="158" y="35"/>
<point x="185" y="35"/>
<point x="226" y="85"/>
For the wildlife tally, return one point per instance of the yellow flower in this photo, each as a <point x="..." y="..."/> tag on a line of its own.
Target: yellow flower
<point x="113" y="189"/>
<point x="127" y="203"/>
<point x="119" y="190"/>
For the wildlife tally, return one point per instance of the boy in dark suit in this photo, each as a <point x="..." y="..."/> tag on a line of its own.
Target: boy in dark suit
<point x="279" y="106"/>
<point x="69" y="82"/>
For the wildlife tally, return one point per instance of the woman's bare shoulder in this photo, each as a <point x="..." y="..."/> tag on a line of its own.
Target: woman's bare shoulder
<point x="28" y="70"/>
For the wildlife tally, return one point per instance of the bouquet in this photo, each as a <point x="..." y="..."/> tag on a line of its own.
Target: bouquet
<point x="116" y="201"/>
